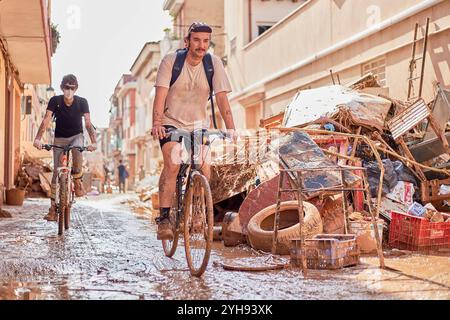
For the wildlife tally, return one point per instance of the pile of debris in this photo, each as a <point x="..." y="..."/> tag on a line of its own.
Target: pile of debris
<point x="366" y="160"/>
<point x="34" y="176"/>
<point x="403" y="146"/>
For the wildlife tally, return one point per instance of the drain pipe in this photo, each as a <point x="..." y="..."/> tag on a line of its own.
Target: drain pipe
<point x="250" y="18"/>
<point x="349" y="41"/>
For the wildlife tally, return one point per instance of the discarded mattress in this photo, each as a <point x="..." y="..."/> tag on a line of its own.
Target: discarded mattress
<point x="337" y="102"/>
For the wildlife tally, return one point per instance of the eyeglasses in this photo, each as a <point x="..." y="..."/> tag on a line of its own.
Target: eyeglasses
<point x="69" y="88"/>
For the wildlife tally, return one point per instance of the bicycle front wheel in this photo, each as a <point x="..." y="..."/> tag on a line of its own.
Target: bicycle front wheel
<point x="62" y="206"/>
<point x="67" y="218"/>
<point x="198" y="225"/>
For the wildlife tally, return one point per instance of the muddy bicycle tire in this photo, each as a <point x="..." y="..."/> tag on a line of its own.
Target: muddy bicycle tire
<point x="170" y="246"/>
<point x="62" y="204"/>
<point x="67" y="217"/>
<point x="198" y="181"/>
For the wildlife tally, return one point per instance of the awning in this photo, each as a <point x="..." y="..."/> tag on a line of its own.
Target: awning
<point x="24" y="25"/>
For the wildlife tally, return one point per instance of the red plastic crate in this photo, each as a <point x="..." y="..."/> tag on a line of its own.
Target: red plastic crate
<point x="417" y="234"/>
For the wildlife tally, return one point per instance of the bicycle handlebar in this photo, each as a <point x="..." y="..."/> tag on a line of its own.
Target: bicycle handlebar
<point x="48" y="147"/>
<point x="205" y="133"/>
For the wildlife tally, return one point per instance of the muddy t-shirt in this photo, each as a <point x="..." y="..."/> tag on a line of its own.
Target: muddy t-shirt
<point x="69" y="120"/>
<point x="187" y="100"/>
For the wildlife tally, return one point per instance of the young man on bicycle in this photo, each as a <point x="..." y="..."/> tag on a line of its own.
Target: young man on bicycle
<point x="183" y="105"/>
<point x="69" y="111"/>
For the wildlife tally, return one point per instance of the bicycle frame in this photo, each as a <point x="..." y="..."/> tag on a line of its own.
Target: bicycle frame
<point x="65" y="170"/>
<point x="188" y="170"/>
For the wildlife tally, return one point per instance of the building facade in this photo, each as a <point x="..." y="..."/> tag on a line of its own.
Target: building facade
<point x="185" y="12"/>
<point x="123" y="126"/>
<point x="349" y="37"/>
<point x="25" y="53"/>
<point x="144" y="69"/>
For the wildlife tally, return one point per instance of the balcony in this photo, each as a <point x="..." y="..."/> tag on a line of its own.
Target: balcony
<point x="24" y="25"/>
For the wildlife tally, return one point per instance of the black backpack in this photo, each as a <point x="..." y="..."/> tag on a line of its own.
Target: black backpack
<point x="209" y="70"/>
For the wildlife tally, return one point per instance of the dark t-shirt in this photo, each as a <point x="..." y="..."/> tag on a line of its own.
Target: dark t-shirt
<point x="69" y="120"/>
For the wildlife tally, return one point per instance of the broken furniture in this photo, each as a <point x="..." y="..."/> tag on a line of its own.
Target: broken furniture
<point x="311" y="174"/>
<point x="409" y="119"/>
<point x="297" y="178"/>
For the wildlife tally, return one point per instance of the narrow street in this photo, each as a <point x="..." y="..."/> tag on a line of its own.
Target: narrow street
<point x="112" y="253"/>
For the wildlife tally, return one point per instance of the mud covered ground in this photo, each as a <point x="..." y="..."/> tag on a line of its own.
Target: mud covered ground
<point x="111" y="252"/>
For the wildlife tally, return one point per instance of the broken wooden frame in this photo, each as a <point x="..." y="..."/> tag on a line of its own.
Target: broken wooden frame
<point x="297" y="173"/>
<point x="299" y="189"/>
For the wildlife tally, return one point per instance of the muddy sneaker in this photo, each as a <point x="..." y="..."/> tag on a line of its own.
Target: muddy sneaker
<point x="165" y="231"/>
<point x="51" y="216"/>
<point x="79" y="188"/>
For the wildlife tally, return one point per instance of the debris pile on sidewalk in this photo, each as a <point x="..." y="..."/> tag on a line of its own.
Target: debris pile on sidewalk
<point x="34" y="176"/>
<point x="402" y="145"/>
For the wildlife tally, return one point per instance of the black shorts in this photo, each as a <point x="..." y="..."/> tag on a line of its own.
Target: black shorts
<point x="163" y="141"/>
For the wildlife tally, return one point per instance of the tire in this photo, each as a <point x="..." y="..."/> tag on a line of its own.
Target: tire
<point x="67" y="217"/>
<point x="260" y="227"/>
<point x="198" y="259"/>
<point x="170" y="246"/>
<point x="62" y="203"/>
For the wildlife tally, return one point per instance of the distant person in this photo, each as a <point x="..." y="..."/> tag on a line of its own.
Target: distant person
<point x="141" y="173"/>
<point x="123" y="175"/>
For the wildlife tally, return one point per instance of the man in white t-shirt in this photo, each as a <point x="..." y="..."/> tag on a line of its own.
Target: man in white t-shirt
<point x="184" y="106"/>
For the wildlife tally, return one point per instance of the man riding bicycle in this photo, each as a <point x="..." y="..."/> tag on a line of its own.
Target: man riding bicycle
<point x="183" y="105"/>
<point x="68" y="110"/>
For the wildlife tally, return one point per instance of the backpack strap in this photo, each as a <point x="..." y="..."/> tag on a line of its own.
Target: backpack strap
<point x="178" y="65"/>
<point x="209" y="70"/>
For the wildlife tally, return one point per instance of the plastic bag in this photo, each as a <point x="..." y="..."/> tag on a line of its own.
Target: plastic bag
<point x="404" y="173"/>
<point x="390" y="179"/>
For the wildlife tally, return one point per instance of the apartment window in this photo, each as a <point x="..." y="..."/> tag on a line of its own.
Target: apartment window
<point x="377" y="68"/>
<point x="263" y="28"/>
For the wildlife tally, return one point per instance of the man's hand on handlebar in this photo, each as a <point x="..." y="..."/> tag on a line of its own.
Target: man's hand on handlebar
<point x="233" y="135"/>
<point x="37" y="144"/>
<point x="92" y="147"/>
<point x="158" y="132"/>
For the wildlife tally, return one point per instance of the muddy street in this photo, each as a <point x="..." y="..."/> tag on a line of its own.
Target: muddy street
<point x="111" y="252"/>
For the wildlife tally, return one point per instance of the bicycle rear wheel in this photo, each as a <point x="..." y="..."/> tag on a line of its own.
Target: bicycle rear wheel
<point x="198" y="225"/>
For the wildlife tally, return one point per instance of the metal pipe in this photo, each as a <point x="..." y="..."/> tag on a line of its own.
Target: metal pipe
<point x="250" y="17"/>
<point x="424" y="56"/>
<point x="412" y="62"/>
